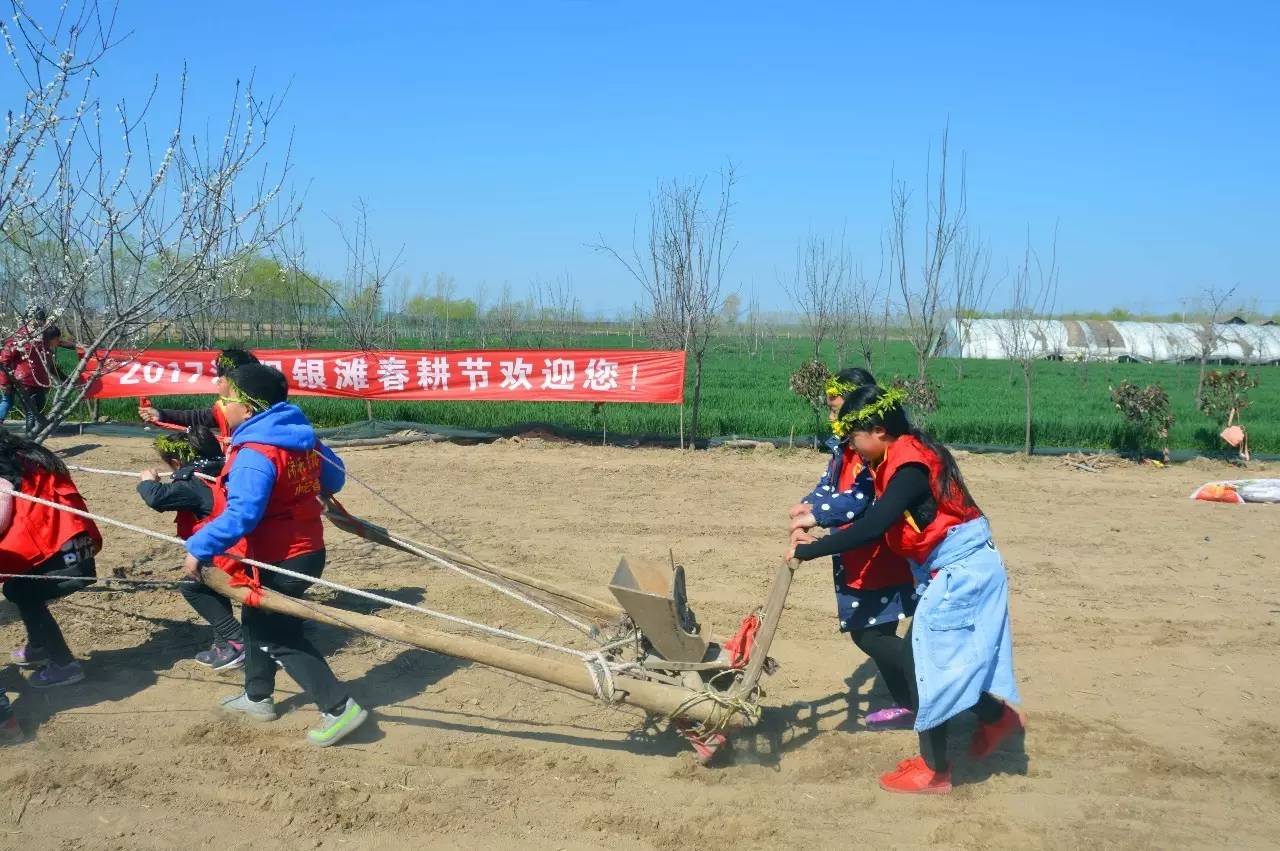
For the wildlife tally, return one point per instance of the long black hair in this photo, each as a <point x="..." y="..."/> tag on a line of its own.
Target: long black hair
<point x="230" y="359"/>
<point x="18" y="453"/>
<point x="895" y="422"/>
<point x="855" y="375"/>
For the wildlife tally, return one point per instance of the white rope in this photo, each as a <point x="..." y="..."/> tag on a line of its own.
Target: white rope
<point x="205" y="476"/>
<point x="420" y="553"/>
<point x="456" y="568"/>
<point x="483" y="580"/>
<point x="94" y="580"/>
<point x="601" y="677"/>
<point x="378" y="598"/>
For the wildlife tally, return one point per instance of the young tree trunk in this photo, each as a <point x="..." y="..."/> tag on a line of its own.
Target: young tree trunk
<point x="697" y="399"/>
<point x="1200" y="383"/>
<point x="1026" y="389"/>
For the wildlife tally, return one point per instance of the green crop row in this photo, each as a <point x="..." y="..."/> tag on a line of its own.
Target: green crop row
<point x="746" y="395"/>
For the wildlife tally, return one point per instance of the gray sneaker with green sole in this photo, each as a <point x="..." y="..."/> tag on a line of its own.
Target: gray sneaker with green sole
<point x="254" y="710"/>
<point x="335" y="728"/>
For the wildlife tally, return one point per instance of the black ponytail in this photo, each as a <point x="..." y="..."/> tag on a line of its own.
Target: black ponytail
<point x="17" y="454"/>
<point x="895" y="422"/>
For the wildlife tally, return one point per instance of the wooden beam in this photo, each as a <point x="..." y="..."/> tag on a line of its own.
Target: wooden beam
<point x="658" y="698"/>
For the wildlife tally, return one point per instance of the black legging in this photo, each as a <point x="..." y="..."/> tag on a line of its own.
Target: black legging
<point x="214" y="608"/>
<point x="269" y="636"/>
<point x="32" y="597"/>
<point x="933" y="742"/>
<point x="32" y="399"/>
<point x="882" y="644"/>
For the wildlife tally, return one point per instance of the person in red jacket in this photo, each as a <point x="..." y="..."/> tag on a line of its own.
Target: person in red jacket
<point x="269" y="495"/>
<point x="874" y="589"/>
<point x="38" y="540"/>
<point x="28" y="367"/>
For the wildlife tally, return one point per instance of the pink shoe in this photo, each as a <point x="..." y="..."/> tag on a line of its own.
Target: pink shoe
<point x="891" y="718"/>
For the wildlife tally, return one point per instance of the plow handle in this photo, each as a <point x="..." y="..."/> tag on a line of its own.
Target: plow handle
<point x="768" y="628"/>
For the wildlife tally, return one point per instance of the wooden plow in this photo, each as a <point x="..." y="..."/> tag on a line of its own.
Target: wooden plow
<point x="647" y="650"/>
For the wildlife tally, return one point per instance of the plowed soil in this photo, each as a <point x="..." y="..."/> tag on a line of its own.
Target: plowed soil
<point x="1145" y="640"/>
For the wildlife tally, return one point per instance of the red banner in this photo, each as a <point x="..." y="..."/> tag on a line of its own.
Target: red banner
<point x="535" y="375"/>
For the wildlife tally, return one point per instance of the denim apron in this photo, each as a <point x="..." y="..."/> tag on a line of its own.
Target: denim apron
<point x="961" y="639"/>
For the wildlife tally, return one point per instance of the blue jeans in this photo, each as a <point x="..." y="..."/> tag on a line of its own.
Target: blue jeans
<point x="6" y="402"/>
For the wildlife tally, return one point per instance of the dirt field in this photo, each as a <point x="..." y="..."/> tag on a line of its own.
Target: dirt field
<point x="1145" y="641"/>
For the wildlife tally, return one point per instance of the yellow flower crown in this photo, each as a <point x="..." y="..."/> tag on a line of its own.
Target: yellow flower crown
<point x="235" y="393"/>
<point x="889" y="399"/>
<point x="836" y="387"/>
<point x="170" y="446"/>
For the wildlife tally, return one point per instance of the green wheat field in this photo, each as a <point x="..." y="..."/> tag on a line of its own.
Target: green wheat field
<point x="746" y="395"/>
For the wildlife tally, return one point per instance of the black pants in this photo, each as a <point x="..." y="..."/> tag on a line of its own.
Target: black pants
<point x="933" y="742"/>
<point x="215" y="609"/>
<point x="33" y="399"/>
<point x="32" y="597"/>
<point x="269" y="636"/>
<point x="882" y="644"/>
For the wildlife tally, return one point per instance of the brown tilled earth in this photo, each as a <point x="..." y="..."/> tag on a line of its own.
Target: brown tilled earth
<point x="1145" y="637"/>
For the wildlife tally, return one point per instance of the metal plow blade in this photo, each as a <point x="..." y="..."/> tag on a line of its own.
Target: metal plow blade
<point x="653" y="595"/>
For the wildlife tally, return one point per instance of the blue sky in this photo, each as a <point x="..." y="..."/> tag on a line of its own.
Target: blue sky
<point x="496" y="140"/>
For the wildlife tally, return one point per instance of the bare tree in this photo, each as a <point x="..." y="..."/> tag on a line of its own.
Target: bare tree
<point x="504" y="317"/>
<point x="755" y="322"/>
<point x="54" y="64"/>
<point x="867" y="322"/>
<point x="681" y="268"/>
<point x="971" y="278"/>
<point x="923" y="291"/>
<point x="124" y="240"/>
<point x="557" y="307"/>
<point x="304" y="294"/>
<point x="1209" y="334"/>
<point x="363" y="290"/>
<point x="445" y="286"/>
<point x="817" y="285"/>
<point x="1032" y="295"/>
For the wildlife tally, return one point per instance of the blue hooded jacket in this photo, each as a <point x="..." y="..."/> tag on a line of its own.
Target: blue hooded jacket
<point x="252" y="476"/>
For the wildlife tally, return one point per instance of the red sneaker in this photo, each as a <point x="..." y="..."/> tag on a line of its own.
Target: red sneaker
<point x="914" y="777"/>
<point x="705" y="746"/>
<point x="988" y="737"/>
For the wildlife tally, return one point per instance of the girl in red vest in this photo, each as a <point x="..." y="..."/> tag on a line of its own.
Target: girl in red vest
<point x="42" y="541"/>
<point x="874" y="590"/>
<point x="269" y="495"/>
<point x="960" y="650"/>
<point x="191" y="499"/>
<point x="211" y="417"/>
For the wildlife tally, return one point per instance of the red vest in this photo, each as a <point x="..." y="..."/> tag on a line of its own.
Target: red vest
<point x="904" y="536"/>
<point x="187" y="523"/>
<point x="292" y="523"/>
<point x="220" y="419"/>
<point x="38" y="532"/>
<point x="874" y="565"/>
